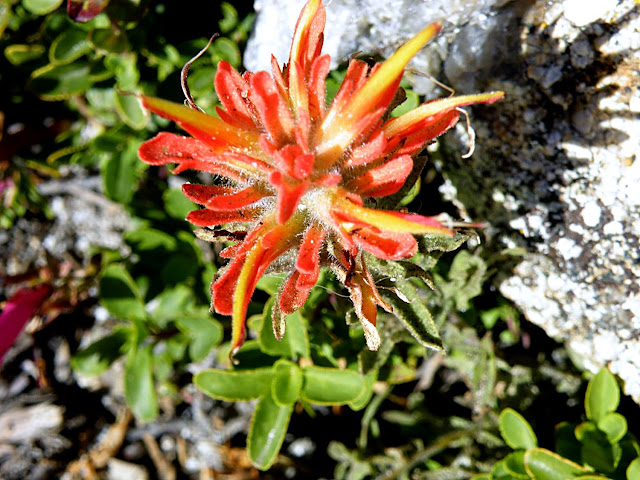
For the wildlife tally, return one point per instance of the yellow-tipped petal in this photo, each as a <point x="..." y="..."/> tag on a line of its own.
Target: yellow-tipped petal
<point x="337" y="129"/>
<point x="299" y="53"/>
<point x="199" y="124"/>
<point x="403" y="122"/>
<point x="388" y="220"/>
<point x="256" y="262"/>
<point x="242" y="294"/>
<point x="364" y="101"/>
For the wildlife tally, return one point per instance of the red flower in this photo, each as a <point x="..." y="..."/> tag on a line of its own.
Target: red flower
<point x="299" y="172"/>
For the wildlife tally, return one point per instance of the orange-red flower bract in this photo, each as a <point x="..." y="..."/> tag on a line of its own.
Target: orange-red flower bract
<point x="299" y="172"/>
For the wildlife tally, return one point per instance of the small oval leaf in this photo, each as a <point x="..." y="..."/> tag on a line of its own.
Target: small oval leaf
<point x="99" y="356"/>
<point x="177" y="205"/>
<point x="234" y="386"/>
<point x="204" y="332"/>
<point x="69" y="46"/>
<point x="41" y="7"/>
<point x="19" y="53"/>
<point x="287" y="383"/>
<point x="57" y="82"/>
<point x="295" y="341"/>
<point x="130" y="110"/>
<point x="500" y="472"/>
<point x="603" y="395"/>
<point x="596" y="451"/>
<point x="514" y="465"/>
<point x="541" y="464"/>
<point x="119" y="294"/>
<point x="331" y="386"/>
<point x="266" y="433"/>
<point x="516" y="431"/>
<point x="140" y="390"/>
<point x="367" y="392"/>
<point x="614" y="426"/>
<point x="633" y="471"/>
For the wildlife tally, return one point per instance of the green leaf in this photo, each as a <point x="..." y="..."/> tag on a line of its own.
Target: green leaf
<point x="412" y="101"/>
<point x="125" y="68"/>
<point x="411" y="194"/>
<point x="270" y="283"/>
<point x="516" y="431"/>
<point x="363" y="399"/>
<point x="633" y="472"/>
<point x="41" y="7"/>
<point x="139" y="386"/>
<point x="567" y="444"/>
<point x="225" y="49"/>
<point x="250" y="356"/>
<point x="266" y="433"/>
<point x="69" y="46"/>
<point x="171" y="304"/>
<point x="234" y="386"/>
<point x="466" y="278"/>
<point x="603" y="395"/>
<point x="500" y="472"/>
<point x="614" y="426"/>
<point x="287" y="383"/>
<point x="415" y="317"/>
<point x="120" y="174"/>
<point x="229" y="17"/>
<point x="109" y="40"/>
<point x="150" y="239"/>
<point x="397" y="371"/>
<point x="176" y="204"/>
<point x="119" y="294"/>
<point x="397" y="269"/>
<point x="99" y="356"/>
<point x="442" y="243"/>
<point x="184" y="264"/>
<point x="331" y="386"/>
<point x="504" y="312"/>
<point x="130" y="110"/>
<point x="541" y="464"/>
<point x="58" y="82"/>
<point x="514" y="464"/>
<point x="295" y="341"/>
<point x="5" y="15"/>
<point x="19" y="54"/>
<point x="596" y="450"/>
<point x="204" y="332"/>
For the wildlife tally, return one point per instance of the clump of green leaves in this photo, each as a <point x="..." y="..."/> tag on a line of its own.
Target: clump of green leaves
<point x="163" y="318"/>
<point x="287" y="377"/>
<point x="599" y="448"/>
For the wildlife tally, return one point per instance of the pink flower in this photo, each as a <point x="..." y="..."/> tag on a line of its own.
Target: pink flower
<point x="300" y="174"/>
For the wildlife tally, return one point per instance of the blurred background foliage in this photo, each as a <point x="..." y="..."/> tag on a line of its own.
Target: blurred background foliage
<point x="67" y="72"/>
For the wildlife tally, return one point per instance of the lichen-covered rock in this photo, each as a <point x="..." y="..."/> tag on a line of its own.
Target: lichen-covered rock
<point x="375" y="27"/>
<point x="555" y="167"/>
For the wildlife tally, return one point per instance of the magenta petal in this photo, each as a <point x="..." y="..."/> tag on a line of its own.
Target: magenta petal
<point x="84" y="10"/>
<point x="18" y="311"/>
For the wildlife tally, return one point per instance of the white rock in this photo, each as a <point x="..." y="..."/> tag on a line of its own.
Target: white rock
<point x="591" y="214"/>
<point x="584" y="12"/>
